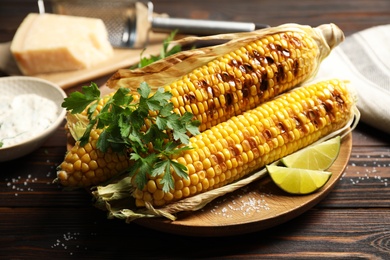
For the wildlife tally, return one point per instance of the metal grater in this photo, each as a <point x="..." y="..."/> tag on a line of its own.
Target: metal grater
<point x="118" y="16"/>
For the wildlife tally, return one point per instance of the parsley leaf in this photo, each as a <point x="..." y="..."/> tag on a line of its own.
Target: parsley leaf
<point x="77" y="101"/>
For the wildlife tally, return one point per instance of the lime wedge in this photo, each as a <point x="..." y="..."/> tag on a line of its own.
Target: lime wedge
<point x="317" y="157"/>
<point x="298" y="181"/>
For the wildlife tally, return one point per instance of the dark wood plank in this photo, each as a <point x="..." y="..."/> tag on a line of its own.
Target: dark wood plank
<point x="28" y="182"/>
<point x="85" y="232"/>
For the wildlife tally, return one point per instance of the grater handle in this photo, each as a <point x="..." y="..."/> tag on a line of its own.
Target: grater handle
<point x="197" y="26"/>
<point x="201" y="27"/>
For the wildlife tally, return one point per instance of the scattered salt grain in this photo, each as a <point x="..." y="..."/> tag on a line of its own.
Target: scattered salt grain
<point x="69" y="242"/>
<point x="21" y="184"/>
<point x="373" y="171"/>
<point x="246" y="205"/>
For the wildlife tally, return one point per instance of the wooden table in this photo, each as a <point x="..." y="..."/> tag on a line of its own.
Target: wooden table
<point x="39" y="220"/>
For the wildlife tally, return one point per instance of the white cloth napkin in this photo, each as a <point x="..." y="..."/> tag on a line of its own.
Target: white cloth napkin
<point x="364" y="59"/>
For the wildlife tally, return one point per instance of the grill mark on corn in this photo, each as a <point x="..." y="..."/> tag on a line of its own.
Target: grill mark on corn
<point x="232" y="149"/>
<point x="244" y="78"/>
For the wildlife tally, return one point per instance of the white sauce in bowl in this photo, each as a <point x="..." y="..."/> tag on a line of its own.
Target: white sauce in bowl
<point x="23" y="117"/>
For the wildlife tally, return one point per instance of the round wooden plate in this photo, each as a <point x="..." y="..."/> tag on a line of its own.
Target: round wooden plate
<point x="259" y="206"/>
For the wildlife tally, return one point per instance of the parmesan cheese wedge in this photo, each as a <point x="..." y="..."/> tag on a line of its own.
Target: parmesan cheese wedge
<point x="46" y="43"/>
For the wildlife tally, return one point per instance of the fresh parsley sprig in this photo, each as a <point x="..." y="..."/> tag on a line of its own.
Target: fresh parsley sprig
<point x="136" y="125"/>
<point x="129" y="126"/>
<point x="164" y="52"/>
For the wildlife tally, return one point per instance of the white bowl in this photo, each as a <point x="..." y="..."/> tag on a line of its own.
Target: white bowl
<point x="13" y="86"/>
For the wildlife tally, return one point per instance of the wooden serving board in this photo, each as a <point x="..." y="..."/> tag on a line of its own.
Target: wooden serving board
<point x="259" y="206"/>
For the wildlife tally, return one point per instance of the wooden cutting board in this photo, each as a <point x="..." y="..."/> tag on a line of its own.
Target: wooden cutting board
<point x="122" y="58"/>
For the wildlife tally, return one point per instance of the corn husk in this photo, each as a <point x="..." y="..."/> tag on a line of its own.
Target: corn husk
<point x="76" y="124"/>
<point x="165" y="71"/>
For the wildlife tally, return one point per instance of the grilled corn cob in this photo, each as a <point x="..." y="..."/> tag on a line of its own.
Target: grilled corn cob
<point x="249" y="71"/>
<point x="245" y="143"/>
<point x="240" y="75"/>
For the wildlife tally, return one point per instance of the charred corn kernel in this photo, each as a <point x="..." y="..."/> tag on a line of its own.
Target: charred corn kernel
<point x="86" y="166"/>
<point x="240" y="157"/>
